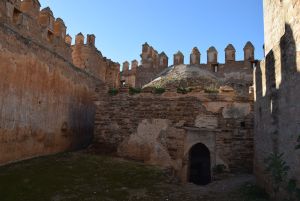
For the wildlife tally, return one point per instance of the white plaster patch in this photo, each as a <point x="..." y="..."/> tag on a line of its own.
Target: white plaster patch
<point x="144" y="144"/>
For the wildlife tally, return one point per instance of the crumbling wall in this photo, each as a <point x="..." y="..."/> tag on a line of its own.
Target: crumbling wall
<point x="152" y="64"/>
<point x="276" y="90"/>
<point x="46" y="103"/>
<point x="160" y="129"/>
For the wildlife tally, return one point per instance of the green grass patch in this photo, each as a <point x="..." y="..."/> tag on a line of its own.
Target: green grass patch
<point x="86" y="177"/>
<point x="133" y="91"/>
<point x="182" y="90"/>
<point x="211" y="89"/>
<point x="77" y="177"/>
<point x="159" y="90"/>
<point x="113" y="92"/>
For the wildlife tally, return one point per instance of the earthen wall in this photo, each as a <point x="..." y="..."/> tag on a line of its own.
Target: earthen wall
<point x="46" y="103"/>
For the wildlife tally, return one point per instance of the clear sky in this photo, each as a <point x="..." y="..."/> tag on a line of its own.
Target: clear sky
<point x="122" y="26"/>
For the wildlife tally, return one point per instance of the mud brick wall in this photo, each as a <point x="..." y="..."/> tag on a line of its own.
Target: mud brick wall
<point x="46" y="103"/>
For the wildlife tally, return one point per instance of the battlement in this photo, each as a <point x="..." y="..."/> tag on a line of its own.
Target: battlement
<point x="26" y="18"/>
<point x="130" y="68"/>
<point x="150" y="58"/>
<point x="152" y="63"/>
<point x="212" y="55"/>
<point x="195" y="56"/>
<point x="86" y="56"/>
<point x="40" y="26"/>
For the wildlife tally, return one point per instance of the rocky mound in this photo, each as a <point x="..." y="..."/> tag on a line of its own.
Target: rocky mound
<point x="184" y="76"/>
<point x="198" y="78"/>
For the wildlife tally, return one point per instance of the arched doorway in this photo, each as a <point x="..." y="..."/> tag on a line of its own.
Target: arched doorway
<point x="199" y="165"/>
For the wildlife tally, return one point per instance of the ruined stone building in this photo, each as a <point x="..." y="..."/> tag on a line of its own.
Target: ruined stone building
<point x="152" y="64"/>
<point x="190" y="117"/>
<point x="215" y="116"/>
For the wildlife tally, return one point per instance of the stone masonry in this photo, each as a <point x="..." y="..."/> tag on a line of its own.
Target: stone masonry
<point x="151" y="65"/>
<point x="54" y="96"/>
<point x="161" y="129"/>
<point x="277" y="109"/>
<point x="154" y="64"/>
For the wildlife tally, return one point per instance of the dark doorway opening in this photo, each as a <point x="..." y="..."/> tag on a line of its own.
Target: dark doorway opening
<point x="199" y="171"/>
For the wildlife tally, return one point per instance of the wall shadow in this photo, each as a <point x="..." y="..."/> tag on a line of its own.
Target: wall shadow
<point x="277" y="111"/>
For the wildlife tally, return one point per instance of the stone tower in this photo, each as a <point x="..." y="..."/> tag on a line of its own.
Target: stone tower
<point x="31" y="8"/>
<point x="68" y="39"/>
<point x="134" y="65"/>
<point x="178" y="58"/>
<point x="249" y="51"/>
<point x="212" y="55"/>
<point x="195" y="56"/>
<point x="163" y="60"/>
<point x="46" y="20"/>
<point x="91" y="38"/>
<point x="230" y="53"/>
<point x="79" y="39"/>
<point x="126" y="66"/>
<point x="60" y="28"/>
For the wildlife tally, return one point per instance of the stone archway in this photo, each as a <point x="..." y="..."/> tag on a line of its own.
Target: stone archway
<point x="199" y="165"/>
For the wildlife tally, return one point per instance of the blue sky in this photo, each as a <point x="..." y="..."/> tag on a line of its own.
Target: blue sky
<point x="122" y="26"/>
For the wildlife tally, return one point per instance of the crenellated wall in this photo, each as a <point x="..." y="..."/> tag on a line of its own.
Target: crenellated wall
<point x="46" y="103"/>
<point x="42" y="26"/>
<point x="154" y="64"/>
<point x="277" y="81"/>
<point x="86" y="56"/>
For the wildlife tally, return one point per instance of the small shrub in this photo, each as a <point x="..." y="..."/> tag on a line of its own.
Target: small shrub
<point x="182" y="90"/>
<point x="219" y="169"/>
<point x="113" y="92"/>
<point x="294" y="192"/>
<point x="159" y="90"/>
<point x="211" y="89"/>
<point x="133" y="91"/>
<point x="278" y="170"/>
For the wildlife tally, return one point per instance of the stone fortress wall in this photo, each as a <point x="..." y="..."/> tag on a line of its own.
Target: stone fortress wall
<point x="277" y="109"/>
<point x="53" y="94"/>
<point x="48" y="96"/>
<point x="46" y="101"/>
<point x="153" y="64"/>
<point x="87" y="57"/>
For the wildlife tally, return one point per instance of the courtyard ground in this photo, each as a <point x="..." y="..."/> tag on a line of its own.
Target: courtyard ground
<point x="87" y="177"/>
